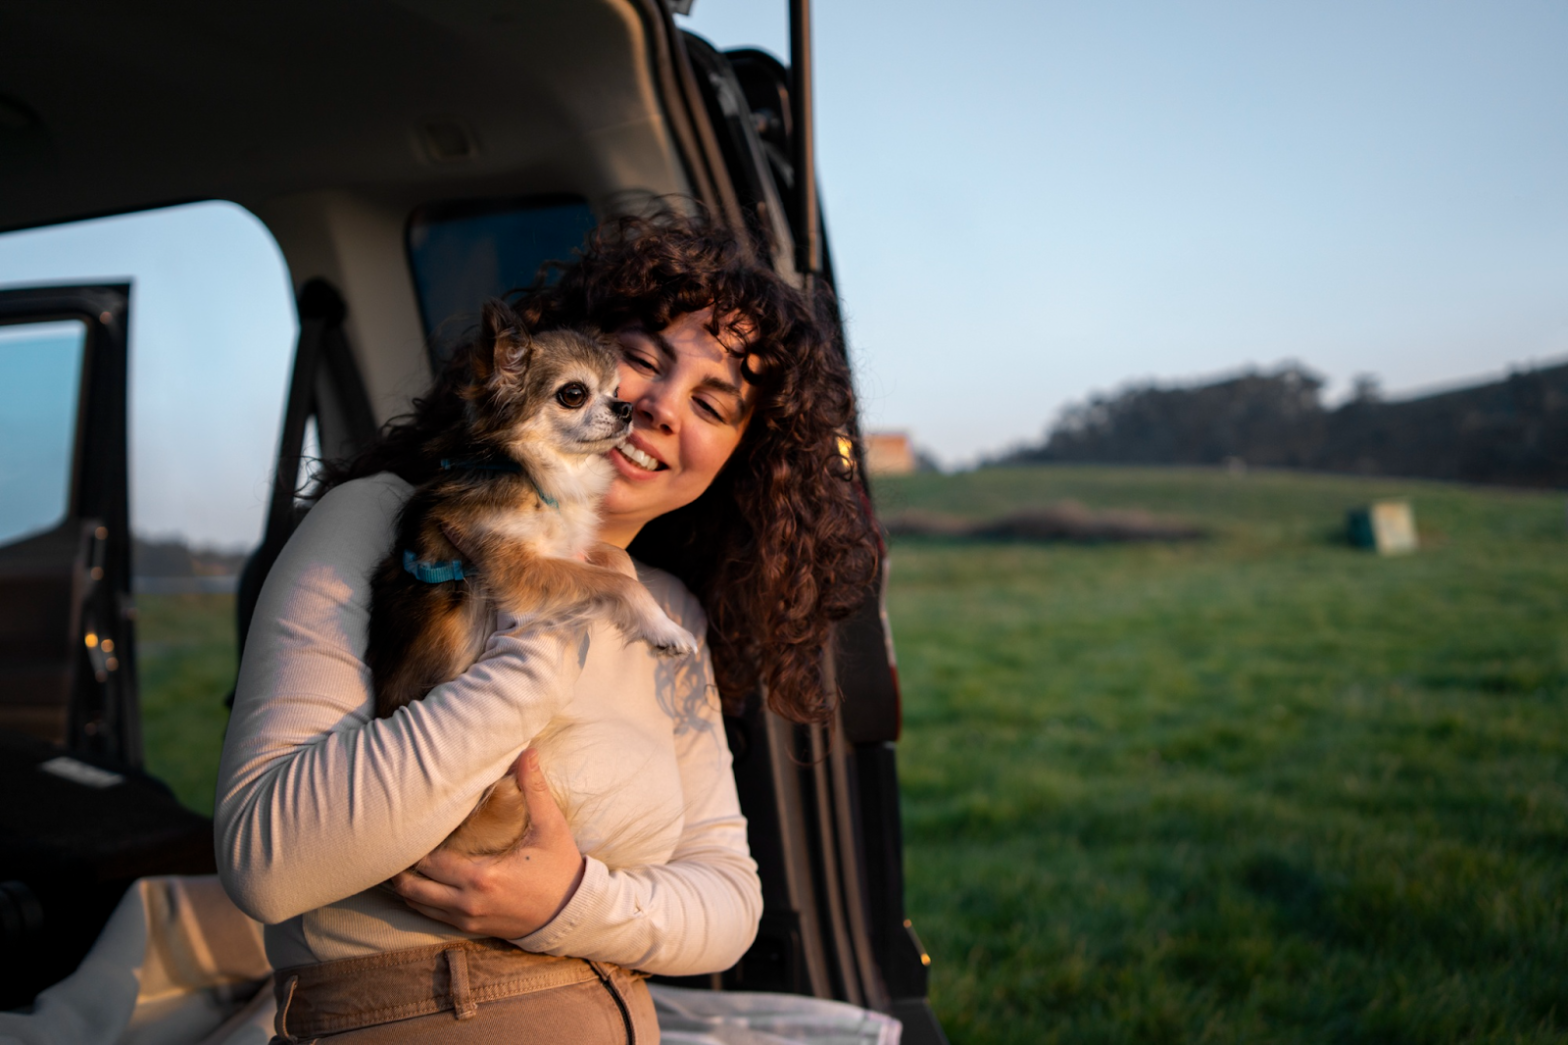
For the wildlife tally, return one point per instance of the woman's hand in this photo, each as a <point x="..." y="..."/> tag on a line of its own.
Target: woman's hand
<point x="511" y="895"/>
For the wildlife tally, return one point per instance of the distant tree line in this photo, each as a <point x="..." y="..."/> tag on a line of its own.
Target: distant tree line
<point x="1513" y="431"/>
<point x="172" y="557"/>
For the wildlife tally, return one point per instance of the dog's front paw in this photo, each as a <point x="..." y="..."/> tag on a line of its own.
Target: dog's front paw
<point x="671" y="640"/>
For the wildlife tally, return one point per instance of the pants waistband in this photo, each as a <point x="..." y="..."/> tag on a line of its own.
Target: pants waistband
<point x="336" y="996"/>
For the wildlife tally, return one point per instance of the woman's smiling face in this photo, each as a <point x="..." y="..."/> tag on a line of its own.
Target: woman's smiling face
<point x="690" y="405"/>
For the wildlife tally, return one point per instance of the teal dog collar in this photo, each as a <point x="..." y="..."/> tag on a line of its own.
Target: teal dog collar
<point x="433" y="572"/>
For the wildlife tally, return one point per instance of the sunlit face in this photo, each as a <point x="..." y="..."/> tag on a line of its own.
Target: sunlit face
<point x="690" y="406"/>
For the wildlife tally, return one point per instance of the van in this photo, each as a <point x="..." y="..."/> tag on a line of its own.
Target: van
<point x="410" y="157"/>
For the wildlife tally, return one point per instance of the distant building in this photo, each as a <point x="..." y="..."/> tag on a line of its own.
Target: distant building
<point x="890" y="453"/>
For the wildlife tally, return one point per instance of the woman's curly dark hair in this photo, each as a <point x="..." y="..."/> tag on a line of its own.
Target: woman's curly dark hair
<point x="781" y="543"/>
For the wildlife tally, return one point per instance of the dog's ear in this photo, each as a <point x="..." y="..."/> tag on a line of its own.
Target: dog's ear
<point x="509" y="344"/>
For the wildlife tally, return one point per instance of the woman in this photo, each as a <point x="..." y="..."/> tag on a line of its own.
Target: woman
<point x="735" y="481"/>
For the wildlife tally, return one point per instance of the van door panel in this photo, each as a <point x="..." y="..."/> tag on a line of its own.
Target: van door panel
<point x="67" y="667"/>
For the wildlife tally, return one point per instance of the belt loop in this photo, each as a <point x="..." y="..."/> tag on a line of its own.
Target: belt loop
<point x="457" y="967"/>
<point x="281" y="1023"/>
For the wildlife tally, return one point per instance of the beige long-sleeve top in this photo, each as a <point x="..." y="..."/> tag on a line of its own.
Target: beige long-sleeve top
<point x="319" y="801"/>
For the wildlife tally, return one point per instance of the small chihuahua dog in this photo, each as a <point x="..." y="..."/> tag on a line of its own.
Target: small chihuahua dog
<point x="509" y="523"/>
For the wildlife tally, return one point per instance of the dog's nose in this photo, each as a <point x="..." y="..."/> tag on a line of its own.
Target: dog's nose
<point x="622" y="409"/>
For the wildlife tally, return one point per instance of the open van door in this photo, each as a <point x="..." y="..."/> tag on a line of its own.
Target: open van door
<point x="66" y="670"/>
<point x="78" y="820"/>
<point x="822" y="803"/>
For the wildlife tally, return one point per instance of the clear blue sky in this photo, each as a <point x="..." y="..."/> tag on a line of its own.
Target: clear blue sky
<point x="1030" y="201"/>
<point x="1089" y="193"/>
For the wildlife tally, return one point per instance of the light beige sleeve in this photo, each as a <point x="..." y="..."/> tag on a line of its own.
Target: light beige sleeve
<point x="318" y="799"/>
<point x="699" y="912"/>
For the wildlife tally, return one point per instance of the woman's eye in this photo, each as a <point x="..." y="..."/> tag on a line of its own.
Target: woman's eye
<point x="709" y="409"/>
<point x="639" y="361"/>
<point x="572" y="396"/>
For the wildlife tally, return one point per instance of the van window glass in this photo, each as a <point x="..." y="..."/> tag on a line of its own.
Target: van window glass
<point x="40" y="388"/>
<point x="211" y="339"/>
<point x="464" y="253"/>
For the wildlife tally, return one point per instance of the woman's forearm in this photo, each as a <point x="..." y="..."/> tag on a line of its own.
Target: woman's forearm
<point x="316" y="799"/>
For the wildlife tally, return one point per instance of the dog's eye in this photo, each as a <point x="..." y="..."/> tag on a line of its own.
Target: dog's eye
<point x="572" y="396"/>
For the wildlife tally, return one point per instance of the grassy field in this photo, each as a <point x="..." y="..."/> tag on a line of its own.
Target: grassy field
<point x="1259" y="788"/>
<point x="186" y="662"/>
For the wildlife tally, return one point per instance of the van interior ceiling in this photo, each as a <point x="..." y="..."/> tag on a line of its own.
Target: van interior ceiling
<point x="332" y="123"/>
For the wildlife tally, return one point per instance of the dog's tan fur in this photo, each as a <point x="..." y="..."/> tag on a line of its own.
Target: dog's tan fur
<point x="522" y="441"/>
<point x="496" y="825"/>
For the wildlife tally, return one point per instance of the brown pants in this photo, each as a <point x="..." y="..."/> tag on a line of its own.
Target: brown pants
<point x="478" y="991"/>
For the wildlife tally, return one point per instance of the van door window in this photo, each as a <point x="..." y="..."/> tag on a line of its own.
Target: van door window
<point x="40" y="387"/>
<point x="210" y="339"/>
<point x="463" y="253"/>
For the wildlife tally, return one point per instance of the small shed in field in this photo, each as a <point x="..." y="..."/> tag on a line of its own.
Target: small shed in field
<point x="1386" y="527"/>
<point x="890" y="453"/>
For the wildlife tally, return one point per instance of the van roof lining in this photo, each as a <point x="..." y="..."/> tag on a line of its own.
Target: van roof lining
<point x="404" y="100"/>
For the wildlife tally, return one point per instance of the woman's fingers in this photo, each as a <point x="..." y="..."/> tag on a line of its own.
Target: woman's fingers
<point x="448" y="867"/>
<point x="546" y="823"/>
<point x="453" y="918"/>
<point x="418" y="890"/>
<point x="548" y="844"/>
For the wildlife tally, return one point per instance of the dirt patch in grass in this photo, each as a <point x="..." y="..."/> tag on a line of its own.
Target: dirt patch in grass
<point x="1066" y="521"/>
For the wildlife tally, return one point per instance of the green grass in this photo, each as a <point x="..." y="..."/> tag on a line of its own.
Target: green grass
<point x="186" y="665"/>
<point x="1263" y="787"/>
